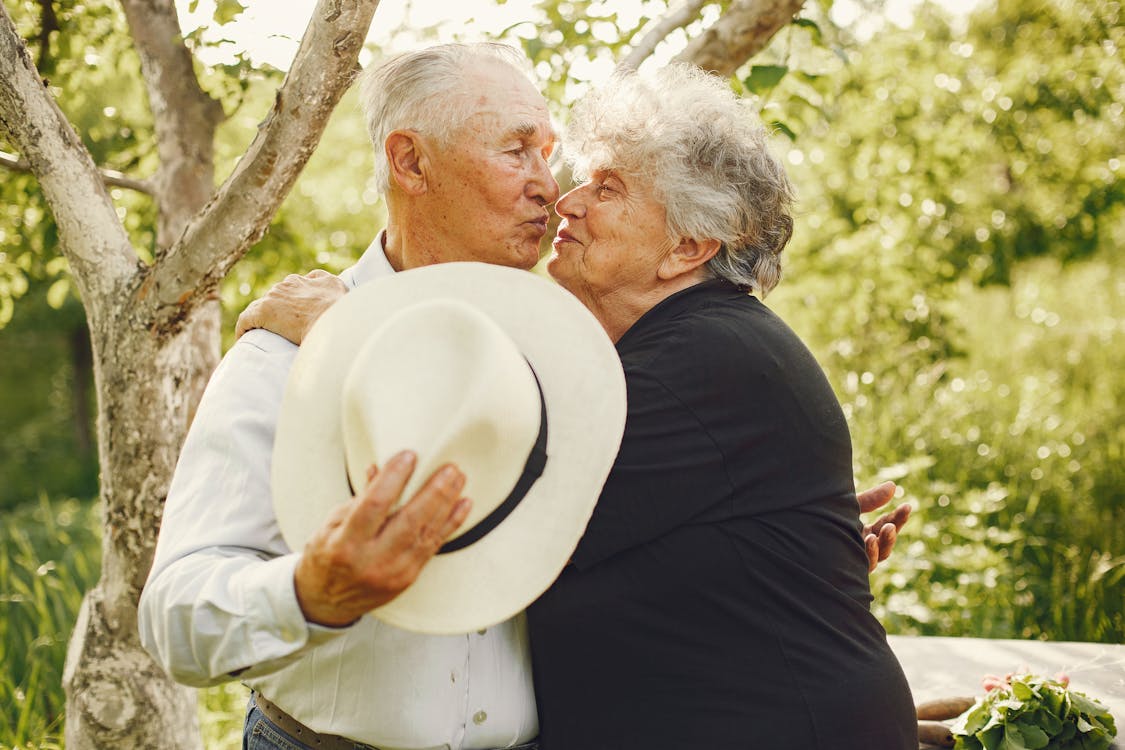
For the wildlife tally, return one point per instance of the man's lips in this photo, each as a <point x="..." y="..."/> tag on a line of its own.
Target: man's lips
<point x="540" y="224"/>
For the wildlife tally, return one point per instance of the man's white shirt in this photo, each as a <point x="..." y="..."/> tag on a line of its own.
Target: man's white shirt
<point x="220" y="599"/>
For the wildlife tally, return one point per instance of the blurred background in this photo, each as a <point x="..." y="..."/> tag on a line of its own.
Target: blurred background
<point x="955" y="268"/>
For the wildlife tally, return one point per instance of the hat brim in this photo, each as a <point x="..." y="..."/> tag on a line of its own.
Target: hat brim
<point x="584" y="392"/>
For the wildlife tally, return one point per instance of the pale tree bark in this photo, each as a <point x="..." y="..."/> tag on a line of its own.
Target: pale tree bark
<point x="656" y="32"/>
<point x="145" y="321"/>
<point x="739" y="34"/>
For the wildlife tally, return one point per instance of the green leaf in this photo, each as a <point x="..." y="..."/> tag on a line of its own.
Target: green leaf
<point x="808" y="23"/>
<point x="1022" y="690"/>
<point x="227" y="10"/>
<point x="788" y="131"/>
<point x="1033" y="737"/>
<point x="762" y="78"/>
<point x="1085" y="704"/>
<point x="992" y="738"/>
<point x="193" y="5"/>
<point x="973" y="720"/>
<point x="1013" y="738"/>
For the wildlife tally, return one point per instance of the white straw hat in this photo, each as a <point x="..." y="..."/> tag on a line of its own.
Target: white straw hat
<point x="494" y="369"/>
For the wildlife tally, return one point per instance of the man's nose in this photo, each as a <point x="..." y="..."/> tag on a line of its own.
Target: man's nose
<point x="543" y="187"/>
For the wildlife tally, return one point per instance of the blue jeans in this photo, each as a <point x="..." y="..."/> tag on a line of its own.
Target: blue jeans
<point x="259" y="733"/>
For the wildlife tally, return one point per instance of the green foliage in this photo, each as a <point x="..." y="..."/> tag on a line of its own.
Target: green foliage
<point x="46" y="401"/>
<point x="49" y="555"/>
<point x="999" y="409"/>
<point x="222" y="711"/>
<point x="93" y="72"/>
<point x="1029" y="712"/>
<point x="1011" y="452"/>
<point x="996" y="145"/>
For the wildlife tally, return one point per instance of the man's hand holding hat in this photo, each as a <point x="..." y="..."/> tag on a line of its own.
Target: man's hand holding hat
<point x="368" y="553"/>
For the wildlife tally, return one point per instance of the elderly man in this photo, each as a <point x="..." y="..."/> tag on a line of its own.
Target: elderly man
<point x="462" y="141"/>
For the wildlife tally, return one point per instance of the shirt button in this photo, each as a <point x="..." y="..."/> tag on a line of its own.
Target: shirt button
<point x="479" y="717"/>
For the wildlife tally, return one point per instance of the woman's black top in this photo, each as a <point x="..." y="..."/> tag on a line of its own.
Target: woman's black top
<point x="719" y="598"/>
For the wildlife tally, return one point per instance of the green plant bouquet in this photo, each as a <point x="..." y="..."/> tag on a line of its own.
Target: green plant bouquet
<point x="1029" y="712"/>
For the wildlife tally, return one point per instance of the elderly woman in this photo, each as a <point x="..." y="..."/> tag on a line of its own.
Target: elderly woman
<point x="719" y="598"/>
<point x="692" y="615"/>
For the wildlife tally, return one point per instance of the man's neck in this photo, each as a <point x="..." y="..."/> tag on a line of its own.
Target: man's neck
<point x="392" y="247"/>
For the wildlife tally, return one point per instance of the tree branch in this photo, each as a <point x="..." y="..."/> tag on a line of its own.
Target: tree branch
<point x="240" y="213"/>
<point x="110" y="177"/>
<point x="739" y="34"/>
<point x="91" y="236"/>
<point x="657" y="32"/>
<point x="184" y="117"/>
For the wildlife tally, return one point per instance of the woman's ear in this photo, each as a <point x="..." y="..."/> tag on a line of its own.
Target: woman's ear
<point x="687" y="257"/>
<point x="407" y="160"/>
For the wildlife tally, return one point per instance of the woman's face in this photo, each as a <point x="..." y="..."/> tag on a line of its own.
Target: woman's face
<point x="611" y="241"/>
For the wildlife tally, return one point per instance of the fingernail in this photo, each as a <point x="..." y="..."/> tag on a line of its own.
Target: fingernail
<point x="452" y="476"/>
<point x="404" y="459"/>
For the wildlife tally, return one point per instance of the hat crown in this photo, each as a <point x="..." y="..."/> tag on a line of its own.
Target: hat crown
<point x="443" y="379"/>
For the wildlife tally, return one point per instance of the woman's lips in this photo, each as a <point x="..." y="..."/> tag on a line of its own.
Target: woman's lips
<point x="563" y="236"/>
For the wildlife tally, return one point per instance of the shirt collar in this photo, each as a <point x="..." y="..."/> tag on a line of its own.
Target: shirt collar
<point x="371" y="265"/>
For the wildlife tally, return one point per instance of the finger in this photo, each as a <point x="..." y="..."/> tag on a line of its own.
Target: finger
<point x="416" y="529"/>
<point x="317" y="273"/>
<point x="876" y="497"/>
<point x="871" y="544"/>
<point x="900" y="516"/>
<point x="456" y="517"/>
<point x="887" y="537"/>
<point x="248" y="319"/>
<point x="381" y="494"/>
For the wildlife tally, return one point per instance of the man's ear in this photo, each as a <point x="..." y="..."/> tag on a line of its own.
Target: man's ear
<point x="407" y="159"/>
<point x="687" y="257"/>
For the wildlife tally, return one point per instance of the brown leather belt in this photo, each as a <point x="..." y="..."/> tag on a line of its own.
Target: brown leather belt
<point x="302" y="733"/>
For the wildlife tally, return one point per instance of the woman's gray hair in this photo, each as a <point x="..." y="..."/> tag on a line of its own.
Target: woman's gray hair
<point x="425" y="91"/>
<point x="704" y="153"/>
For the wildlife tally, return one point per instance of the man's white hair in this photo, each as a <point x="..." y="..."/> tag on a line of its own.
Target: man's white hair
<point x="425" y="90"/>
<point x="703" y="152"/>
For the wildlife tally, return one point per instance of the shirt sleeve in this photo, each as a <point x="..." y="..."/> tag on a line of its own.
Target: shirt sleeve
<point x="220" y="602"/>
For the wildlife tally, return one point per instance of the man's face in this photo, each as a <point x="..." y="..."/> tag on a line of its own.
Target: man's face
<point x="490" y="185"/>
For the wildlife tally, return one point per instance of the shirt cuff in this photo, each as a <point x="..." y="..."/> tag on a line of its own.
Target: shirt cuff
<point x="278" y="594"/>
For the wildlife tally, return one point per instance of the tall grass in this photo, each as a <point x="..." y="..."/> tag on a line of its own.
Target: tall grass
<point x="1013" y="453"/>
<point x="50" y="554"/>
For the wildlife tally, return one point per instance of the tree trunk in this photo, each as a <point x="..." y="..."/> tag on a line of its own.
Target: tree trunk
<point x="82" y="366"/>
<point x="116" y="695"/>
